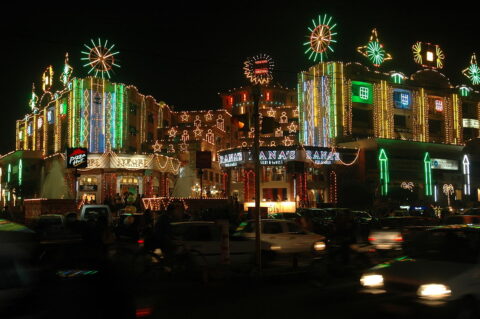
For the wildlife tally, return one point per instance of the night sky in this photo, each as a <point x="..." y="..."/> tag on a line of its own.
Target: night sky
<point x="184" y="54"/>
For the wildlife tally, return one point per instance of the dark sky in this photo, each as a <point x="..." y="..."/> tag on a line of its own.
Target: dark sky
<point x="184" y="53"/>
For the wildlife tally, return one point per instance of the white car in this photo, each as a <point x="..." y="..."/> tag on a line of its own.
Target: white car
<point x="440" y="270"/>
<point x="284" y="237"/>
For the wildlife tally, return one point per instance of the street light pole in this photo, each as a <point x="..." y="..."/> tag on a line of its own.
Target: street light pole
<point x="256" y="158"/>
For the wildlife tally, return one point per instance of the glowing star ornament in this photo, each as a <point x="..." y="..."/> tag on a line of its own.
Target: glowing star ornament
<point x="271" y="112"/>
<point x="321" y="38"/>
<point x="184" y="117"/>
<point x="198" y="132"/>
<point x="374" y="50"/>
<point x="278" y="132"/>
<point x="183" y="147"/>
<point x="157" y="147"/>
<point x="67" y="72"/>
<point x="172" y="132"/>
<point x="473" y="71"/>
<point x="287" y="141"/>
<point x="258" y="69"/>
<point x="292" y="128"/>
<point x="101" y="58"/>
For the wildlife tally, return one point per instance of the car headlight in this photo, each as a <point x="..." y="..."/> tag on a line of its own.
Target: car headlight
<point x="275" y="247"/>
<point x="319" y="246"/>
<point x="372" y="281"/>
<point x="434" y="291"/>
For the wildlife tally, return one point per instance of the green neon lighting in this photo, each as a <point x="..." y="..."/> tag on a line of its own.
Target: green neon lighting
<point x="333" y="102"/>
<point x="362" y="92"/>
<point x="9" y="175"/>
<point x="320" y="38"/>
<point x="397" y="78"/>
<point x="464" y="91"/>
<point x="428" y="174"/>
<point x="474" y="74"/>
<point x="384" y="172"/>
<point x="20" y="172"/>
<point x="375" y="52"/>
<point x="119" y="115"/>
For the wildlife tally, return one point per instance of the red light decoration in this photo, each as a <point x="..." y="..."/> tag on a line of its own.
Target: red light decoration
<point x="258" y="69"/>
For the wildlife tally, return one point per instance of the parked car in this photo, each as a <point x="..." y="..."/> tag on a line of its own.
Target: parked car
<point x="96" y="212"/>
<point x="472" y="211"/>
<point x="56" y="227"/>
<point x="439" y="272"/>
<point x="389" y="232"/>
<point x="283" y="237"/>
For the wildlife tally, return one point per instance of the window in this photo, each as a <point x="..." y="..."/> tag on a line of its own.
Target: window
<point x="364" y="93"/>
<point x="272" y="228"/>
<point x="150" y="118"/>
<point x="132" y="130"/>
<point x="400" y="121"/>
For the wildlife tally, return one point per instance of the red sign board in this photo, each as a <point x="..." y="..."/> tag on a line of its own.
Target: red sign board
<point x="77" y="157"/>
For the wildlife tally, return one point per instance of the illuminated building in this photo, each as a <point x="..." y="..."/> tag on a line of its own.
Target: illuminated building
<point x="117" y="124"/>
<point x="409" y="130"/>
<point x="292" y="175"/>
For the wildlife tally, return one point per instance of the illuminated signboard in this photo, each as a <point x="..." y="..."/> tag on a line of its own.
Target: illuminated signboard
<point x="231" y="159"/>
<point x="77" y="157"/>
<point x="402" y="99"/>
<point x="445" y="164"/>
<point x="472" y="123"/>
<point x="279" y="156"/>
<point x="362" y="92"/>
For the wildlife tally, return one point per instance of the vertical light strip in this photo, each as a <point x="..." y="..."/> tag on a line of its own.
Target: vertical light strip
<point x="9" y="173"/>
<point x="34" y="133"/>
<point x="435" y="193"/>
<point x="20" y="172"/>
<point x="428" y="174"/>
<point x="113" y="115"/>
<point x="45" y="131"/>
<point x="466" y="174"/>
<point x="384" y="172"/>
<point x="333" y="101"/>
<point x="17" y="140"/>
<point x="25" y="134"/>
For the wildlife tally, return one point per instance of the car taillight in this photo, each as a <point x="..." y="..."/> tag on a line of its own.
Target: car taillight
<point x="143" y="312"/>
<point x="398" y="238"/>
<point x="140" y="241"/>
<point x="371" y="239"/>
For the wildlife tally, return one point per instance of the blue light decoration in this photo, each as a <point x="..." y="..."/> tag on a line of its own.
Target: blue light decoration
<point x="402" y="99"/>
<point x="30" y="129"/>
<point x="51" y="115"/>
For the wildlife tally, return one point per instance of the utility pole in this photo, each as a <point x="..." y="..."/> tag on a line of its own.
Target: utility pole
<point x="256" y="159"/>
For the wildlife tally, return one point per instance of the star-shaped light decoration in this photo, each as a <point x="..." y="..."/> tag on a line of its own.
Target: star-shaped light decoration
<point x="198" y="132"/>
<point x="374" y="50"/>
<point x="271" y="112"/>
<point x="184" y="147"/>
<point x="272" y="143"/>
<point x="287" y="141"/>
<point x="172" y="132"/>
<point x="157" y="147"/>
<point x="262" y="142"/>
<point x="244" y="144"/>
<point x="473" y="71"/>
<point x="292" y="128"/>
<point x="295" y="113"/>
<point x="184" y="116"/>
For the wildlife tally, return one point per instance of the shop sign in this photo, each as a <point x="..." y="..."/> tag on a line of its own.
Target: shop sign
<point x="88" y="188"/>
<point x="445" y="164"/>
<point x="231" y="159"/>
<point x="322" y="157"/>
<point x="471" y="123"/>
<point x="276" y="157"/>
<point x="77" y="157"/>
<point x="136" y="162"/>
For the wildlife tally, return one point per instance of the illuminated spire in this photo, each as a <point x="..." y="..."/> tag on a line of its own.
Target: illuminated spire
<point x="34" y="99"/>
<point x="67" y="72"/>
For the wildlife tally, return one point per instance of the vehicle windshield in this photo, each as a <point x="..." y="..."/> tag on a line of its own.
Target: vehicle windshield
<point x="96" y="214"/>
<point x="445" y="245"/>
